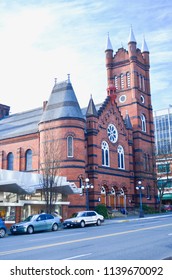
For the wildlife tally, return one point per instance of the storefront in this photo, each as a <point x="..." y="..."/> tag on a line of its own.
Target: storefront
<point x="21" y="194"/>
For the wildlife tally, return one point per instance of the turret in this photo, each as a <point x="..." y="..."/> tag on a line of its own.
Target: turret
<point x="109" y="58"/>
<point x="145" y="51"/>
<point x="92" y="131"/>
<point x="132" y="45"/>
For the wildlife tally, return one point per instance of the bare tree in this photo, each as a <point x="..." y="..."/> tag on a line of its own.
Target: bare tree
<point x="163" y="170"/>
<point x="49" y="167"/>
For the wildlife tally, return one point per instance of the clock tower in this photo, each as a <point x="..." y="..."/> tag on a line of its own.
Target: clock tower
<point x="128" y="72"/>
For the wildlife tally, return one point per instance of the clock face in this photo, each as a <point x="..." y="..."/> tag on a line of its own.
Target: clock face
<point x="112" y="133"/>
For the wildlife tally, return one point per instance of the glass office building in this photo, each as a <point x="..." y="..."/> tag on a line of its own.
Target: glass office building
<point x="163" y="142"/>
<point x="163" y="130"/>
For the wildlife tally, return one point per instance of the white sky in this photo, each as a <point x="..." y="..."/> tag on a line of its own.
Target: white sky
<point x="45" y="39"/>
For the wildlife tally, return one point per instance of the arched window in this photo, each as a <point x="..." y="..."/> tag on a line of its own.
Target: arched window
<point x="70" y="146"/>
<point x="140" y="81"/>
<point x="122" y="81"/>
<point x="143" y="122"/>
<point x="128" y="80"/>
<point x="121" y="163"/>
<point x="148" y="192"/>
<point x="103" y="195"/>
<point x="105" y="154"/>
<point x="28" y="160"/>
<point x="116" y="82"/>
<point x="10" y="161"/>
<point x="143" y="83"/>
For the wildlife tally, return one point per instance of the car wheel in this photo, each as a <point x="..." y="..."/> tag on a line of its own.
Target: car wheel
<point x="82" y="224"/>
<point x="30" y="229"/>
<point x="2" y="232"/>
<point x="98" y="222"/>
<point x="55" y="227"/>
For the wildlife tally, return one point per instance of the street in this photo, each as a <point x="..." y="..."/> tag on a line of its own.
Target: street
<point x="139" y="239"/>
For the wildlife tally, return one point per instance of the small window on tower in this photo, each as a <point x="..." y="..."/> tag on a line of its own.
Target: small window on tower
<point x="116" y="82"/>
<point x="70" y="146"/>
<point x="122" y="98"/>
<point x="128" y="80"/>
<point x="122" y="81"/>
<point x="143" y="122"/>
<point x="142" y="99"/>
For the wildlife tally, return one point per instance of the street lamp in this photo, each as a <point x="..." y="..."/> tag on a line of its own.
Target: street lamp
<point x="87" y="186"/>
<point x="140" y="188"/>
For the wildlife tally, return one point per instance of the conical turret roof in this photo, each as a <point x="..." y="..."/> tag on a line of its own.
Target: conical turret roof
<point x="91" y="109"/>
<point x="144" y="46"/>
<point x="109" y="45"/>
<point x="62" y="103"/>
<point x="131" y="37"/>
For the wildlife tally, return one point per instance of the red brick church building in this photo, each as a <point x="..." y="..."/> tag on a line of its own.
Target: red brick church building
<point x="111" y="144"/>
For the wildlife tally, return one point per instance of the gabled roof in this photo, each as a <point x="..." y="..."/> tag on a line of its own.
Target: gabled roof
<point x="20" y="123"/>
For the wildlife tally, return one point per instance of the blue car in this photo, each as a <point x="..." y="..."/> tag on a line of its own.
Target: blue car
<point x="3" y="228"/>
<point x="40" y="222"/>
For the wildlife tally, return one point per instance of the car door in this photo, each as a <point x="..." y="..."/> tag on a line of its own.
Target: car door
<point x="93" y="217"/>
<point x="40" y="223"/>
<point x="90" y="218"/>
<point x="50" y="221"/>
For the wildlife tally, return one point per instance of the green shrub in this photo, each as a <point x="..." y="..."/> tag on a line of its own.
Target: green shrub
<point x="148" y="209"/>
<point x="102" y="210"/>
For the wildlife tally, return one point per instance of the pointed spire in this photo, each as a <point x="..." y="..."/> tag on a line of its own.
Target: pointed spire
<point x="91" y="109"/>
<point x="109" y="45"/>
<point x="144" y="46"/>
<point x="127" y="121"/>
<point x="68" y="78"/>
<point x="131" y="37"/>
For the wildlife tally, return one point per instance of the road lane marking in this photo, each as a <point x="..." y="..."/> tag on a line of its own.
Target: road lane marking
<point x="79" y="240"/>
<point x="76" y="257"/>
<point x="53" y="237"/>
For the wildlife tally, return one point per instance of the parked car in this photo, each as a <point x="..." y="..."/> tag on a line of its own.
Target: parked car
<point x="84" y="218"/>
<point x="167" y="207"/>
<point x="3" y="228"/>
<point x="40" y="222"/>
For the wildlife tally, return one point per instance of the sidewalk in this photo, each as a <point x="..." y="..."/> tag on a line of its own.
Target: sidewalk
<point x="129" y="218"/>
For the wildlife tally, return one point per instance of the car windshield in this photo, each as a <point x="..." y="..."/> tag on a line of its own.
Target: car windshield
<point x="28" y="219"/>
<point x="79" y="214"/>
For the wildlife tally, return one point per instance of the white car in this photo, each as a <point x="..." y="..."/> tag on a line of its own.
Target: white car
<point x="84" y="218"/>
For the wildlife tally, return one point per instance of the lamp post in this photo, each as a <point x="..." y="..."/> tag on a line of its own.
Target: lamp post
<point x="87" y="186"/>
<point x="140" y="188"/>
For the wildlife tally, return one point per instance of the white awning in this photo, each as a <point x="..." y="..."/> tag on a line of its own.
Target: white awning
<point x="28" y="183"/>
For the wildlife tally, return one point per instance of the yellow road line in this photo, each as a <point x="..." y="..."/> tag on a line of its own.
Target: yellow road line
<point x="79" y="240"/>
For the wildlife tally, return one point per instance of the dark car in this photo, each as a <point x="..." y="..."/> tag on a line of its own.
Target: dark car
<point x="3" y="228"/>
<point x="40" y="222"/>
<point x="84" y="218"/>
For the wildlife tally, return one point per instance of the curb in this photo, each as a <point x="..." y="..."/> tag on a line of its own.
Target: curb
<point x="120" y="220"/>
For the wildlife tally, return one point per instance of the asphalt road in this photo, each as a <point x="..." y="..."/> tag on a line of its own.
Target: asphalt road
<point x="138" y="239"/>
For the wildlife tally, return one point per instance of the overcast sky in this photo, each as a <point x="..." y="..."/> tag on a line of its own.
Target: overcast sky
<point x="47" y="39"/>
